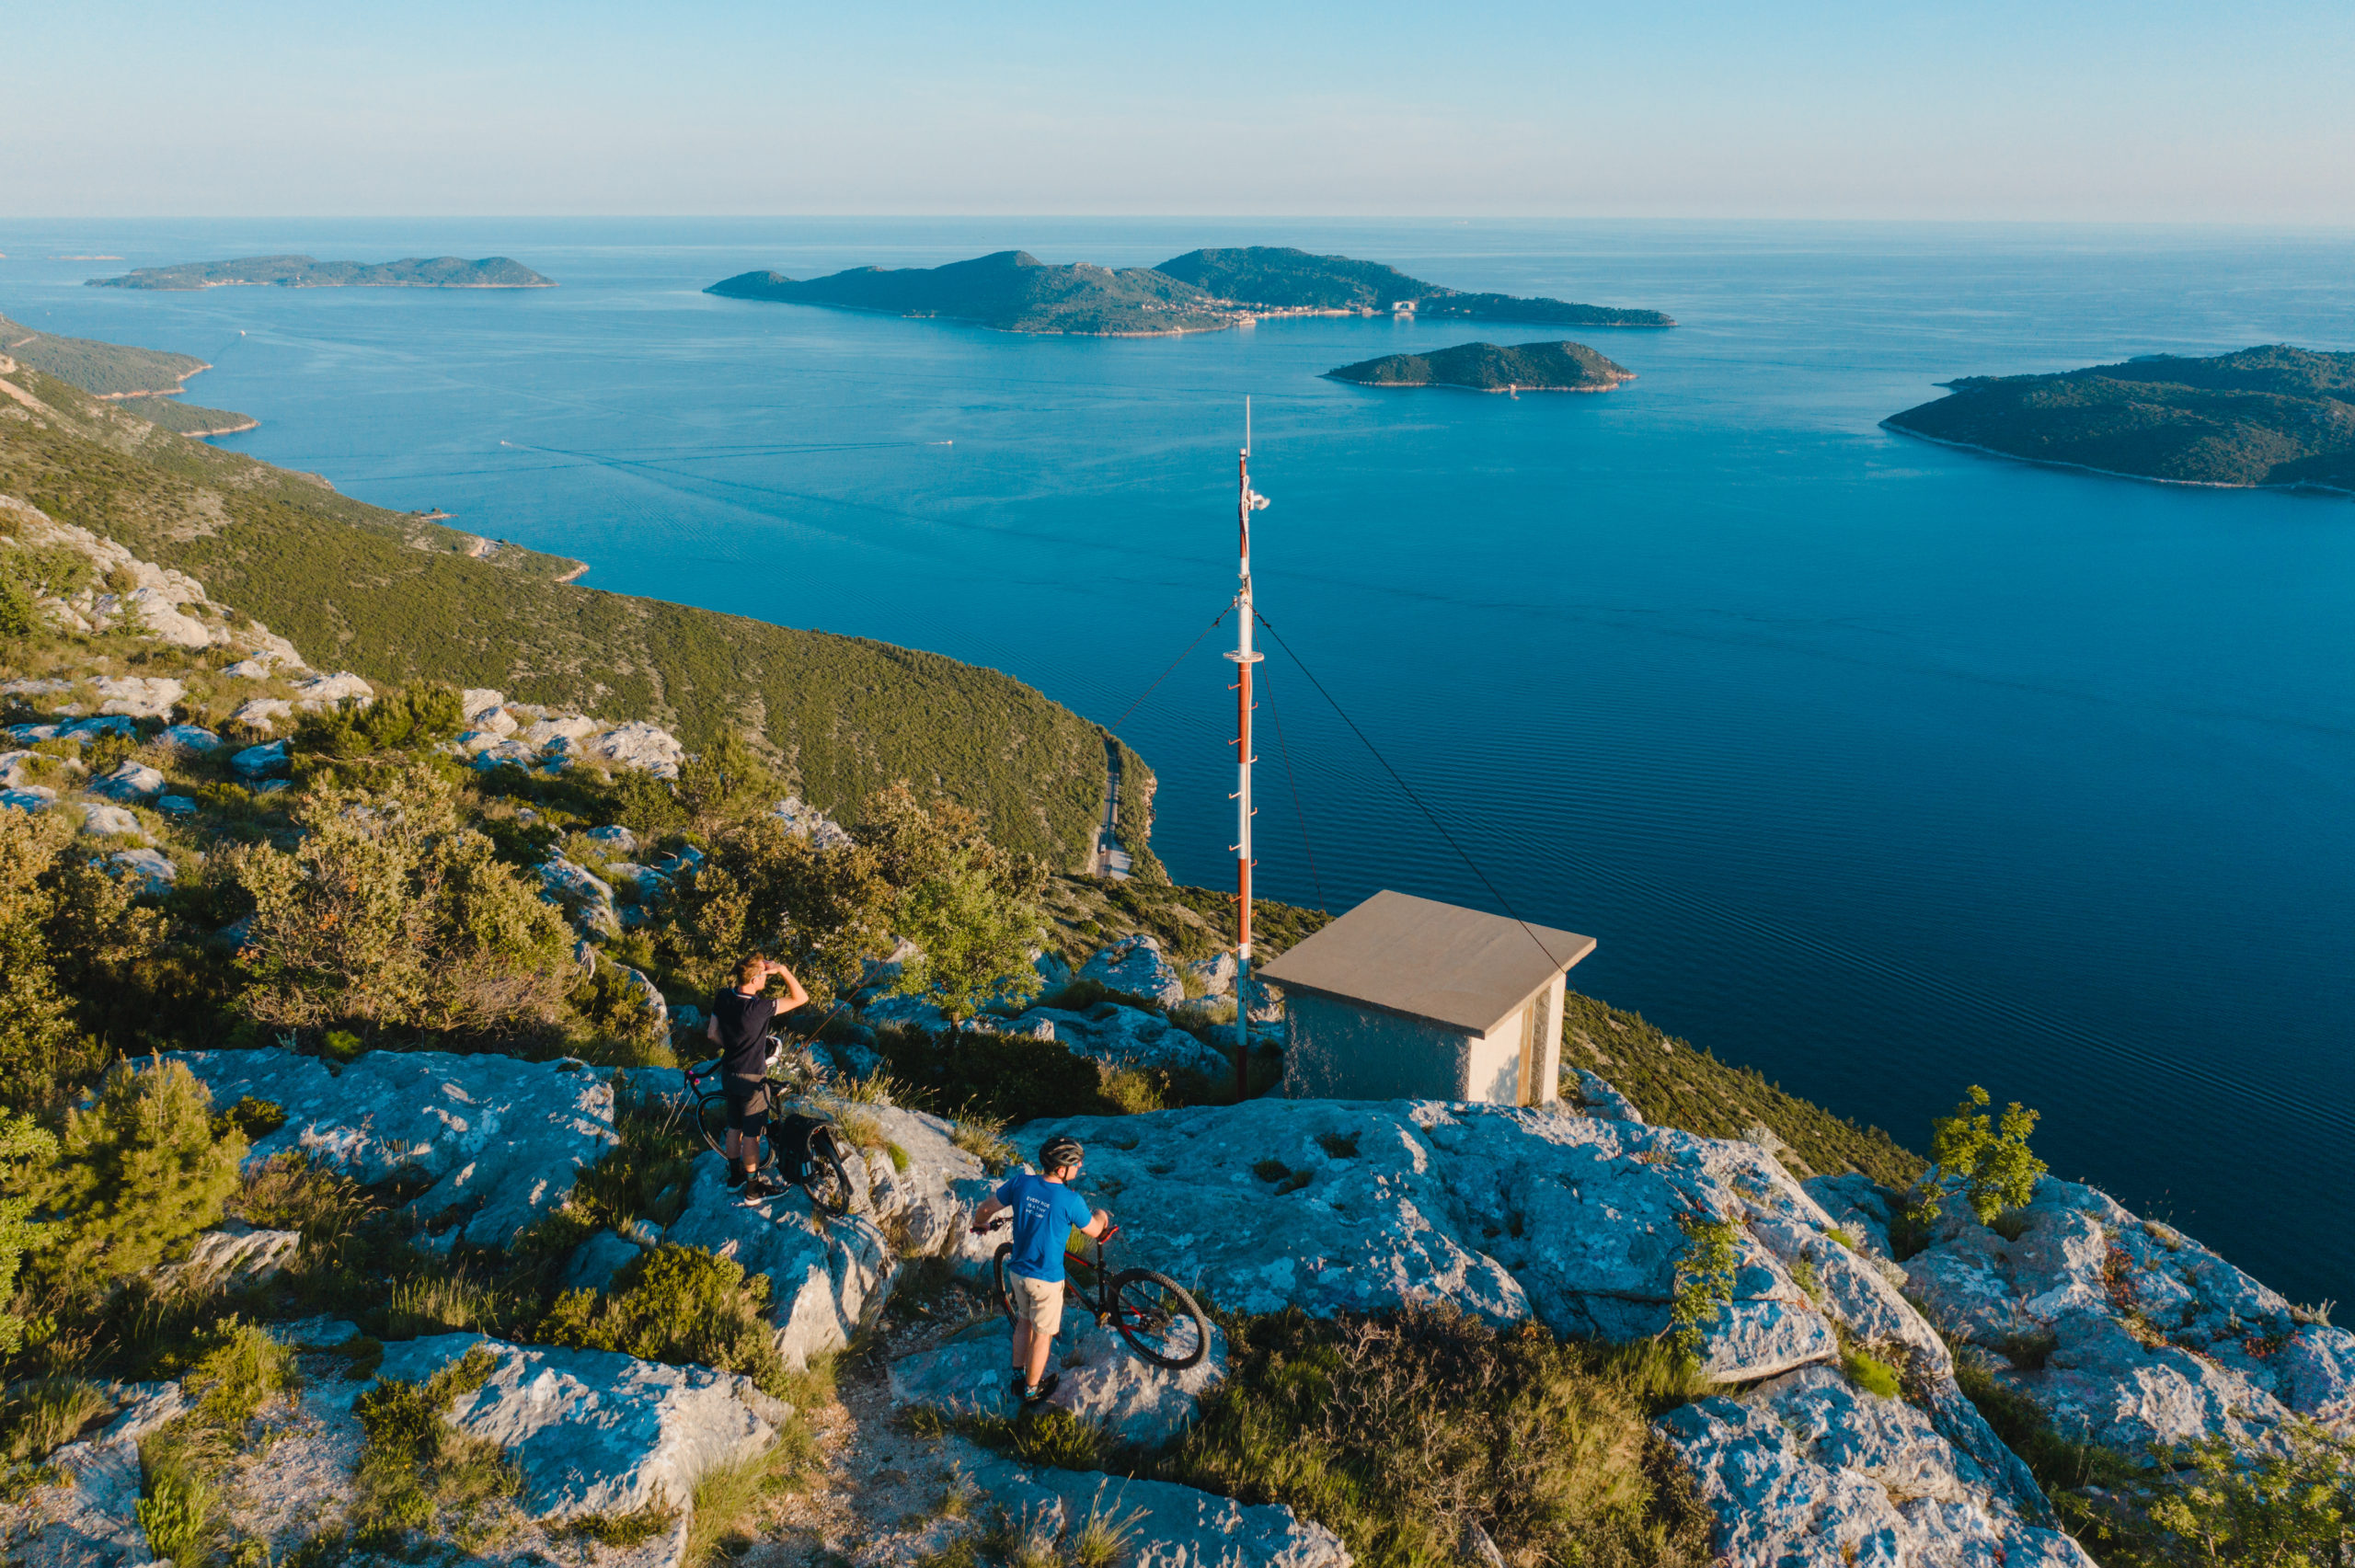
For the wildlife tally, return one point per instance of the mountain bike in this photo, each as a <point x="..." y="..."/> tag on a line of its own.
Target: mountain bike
<point x="805" y="1151"/>
<point x="1151" y="1311"/>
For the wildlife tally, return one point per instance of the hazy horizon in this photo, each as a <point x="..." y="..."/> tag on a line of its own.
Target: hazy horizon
<point x="2161" y="114"/>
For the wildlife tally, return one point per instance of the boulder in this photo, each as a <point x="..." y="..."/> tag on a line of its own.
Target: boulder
<point x="1102" y="1380"/>
<point x="259" y="761"/>
<point x="1053" y="972"/>
<point x="156" y="613"/>
<point x="263" y="714"/>
<point x="929" y="1203"/>
<point x="191" y="738"/>
<point x="153" y="868"/>
<point x="34" y="688"/>
<point x="1808" y="1470"/>
<point x="137" y="696"/>
<point x="233" y="1258"/>
<point x="560" y="727"/>
<point x="12" y="766"/>
<point x="89" y="1518"/>
<point x="131" y="782"/>
<point x="509" y="753"/>
<point x="499" y="1141"/>
<point x="807" y="820"/>
<point x="327" y="690"/>
<point x="255" y="666"/>
<point x="1169" y="1525"/>
<point x="1134" y="965"/>
<point x="177" y="805"/>
<point x="1213" y="976"/>
<point x="30" y="798"/>
<point x="620" y="841"/>
<point x="111" y="822"/>
<point x="905" y="1012"/>
<point x="827" y="1278"/>
<point x="1126" y="1036"/>
<point x="650" y="1000"/>
<point x="486" y="709"/>
<point x="86" y="728"/>
<point x="1600" y="1100"/>
<point x="647" y="746"/>
<point x="595" y="1261"/>
<point x="585" y="898"/>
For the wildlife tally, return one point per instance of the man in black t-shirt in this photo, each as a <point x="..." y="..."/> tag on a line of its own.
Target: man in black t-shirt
<point x="740" y="1017"/>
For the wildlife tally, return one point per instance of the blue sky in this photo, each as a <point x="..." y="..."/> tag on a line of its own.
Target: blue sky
<point x="1935" y="109"/>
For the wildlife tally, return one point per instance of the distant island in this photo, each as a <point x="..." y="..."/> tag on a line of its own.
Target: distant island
<point x="305" y="272"/>
<point x="2272" y="416"/>
<point x="1202" y="291"/>
<point x="145" y="381"/>
<point x="1268" y="277"/>
<point x="1484" y="367"/>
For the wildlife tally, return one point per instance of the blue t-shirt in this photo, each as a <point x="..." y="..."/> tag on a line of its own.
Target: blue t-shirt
<point x="1044" y="1214"/>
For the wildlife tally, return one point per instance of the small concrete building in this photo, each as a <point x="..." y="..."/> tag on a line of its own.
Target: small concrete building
<point x="1406" y="999"/>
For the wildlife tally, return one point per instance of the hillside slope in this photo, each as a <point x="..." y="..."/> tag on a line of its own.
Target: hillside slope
<point x="1485" y="367"/>
<point x="395" y="598"/>
<point x="1283" y="278"/>
<point x="1012" y="291"/>
<point x="2272" y="415"/>
<point x="305" y="272"/>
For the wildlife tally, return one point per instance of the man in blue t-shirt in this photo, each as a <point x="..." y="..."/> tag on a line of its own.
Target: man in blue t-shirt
<point x="1045" y="1211"/>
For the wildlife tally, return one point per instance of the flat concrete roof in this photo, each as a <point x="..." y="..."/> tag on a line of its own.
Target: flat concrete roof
<point x="1426" y="959"/>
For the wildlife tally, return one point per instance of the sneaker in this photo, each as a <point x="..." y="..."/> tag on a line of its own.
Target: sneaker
<point x="1046" y="1385"/>
<point x="735" y="1176"/>
<point x="1021" y="1386"/>
<point x="759" y="1189"/>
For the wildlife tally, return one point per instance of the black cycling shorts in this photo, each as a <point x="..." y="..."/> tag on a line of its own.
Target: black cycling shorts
<point x="748" y="1106"/>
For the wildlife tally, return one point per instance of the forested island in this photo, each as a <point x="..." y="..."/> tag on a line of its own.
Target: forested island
<point x="1485" y="367"/>
<point x="1012" y="291"/>
<point x="1201" y="291"/>
<point x="305" y="272"/>
<point x="2273" y="416"/>
<point x="1282" y="278"/>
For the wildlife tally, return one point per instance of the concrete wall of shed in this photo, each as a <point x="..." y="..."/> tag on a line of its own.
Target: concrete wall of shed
<point x="1335" y="1050"/>
<point x="1494" y="1060"/>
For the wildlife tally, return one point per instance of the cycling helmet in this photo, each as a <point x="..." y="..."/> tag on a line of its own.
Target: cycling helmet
<point x="1059" y="1151"/>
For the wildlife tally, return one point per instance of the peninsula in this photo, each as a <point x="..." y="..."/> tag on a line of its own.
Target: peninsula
<point x="305" y="272"/>
<point x="1202" y="291"/>
<point x="1012" y="291"/>
<point x="1280" y="277"/>
<point x="145" y="381"/>
<point x="1484" y="367"/>
<point x="2268" y="416"/>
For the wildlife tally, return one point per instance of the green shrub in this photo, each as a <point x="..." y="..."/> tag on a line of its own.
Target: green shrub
<point x="677" y="1304"/>
<point x="239" y="1371"/>
<point x="140" y="1173"/>
<point x="1396" y="1431"/>
<point x="418" y="1473"/>
<point x="47" y="1412"/>
<point x="26" y="1149"/>
<point x="1984" y="1162"/>
<point x="410" y="719"/>
<point x="1704" y="1271"/>
<point x="38" y="1049"/>
<point x="1002" y="1077"/>
<point x="1868" y="1372"/>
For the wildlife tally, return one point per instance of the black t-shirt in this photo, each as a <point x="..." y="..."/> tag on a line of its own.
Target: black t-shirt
<point x="743" y="1030"/>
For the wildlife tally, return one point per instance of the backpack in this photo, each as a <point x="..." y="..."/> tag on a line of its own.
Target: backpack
<point x="790" y="1137"/>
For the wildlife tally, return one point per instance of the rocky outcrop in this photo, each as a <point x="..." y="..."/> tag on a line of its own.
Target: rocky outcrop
<point x="1808" y="1468"/>
<point x="1136" y="966"/>
<point x="235" y="1258"/>
<point x="1102" y="1380"/>
<point x="1125" y="1037"/>
<point x="586" y="898"/>
<point x="89" y="1518"/>
<point x="499" y="1141"/>
<point x="2126" y="1331"/>
<point x="138" y="696"/>
<point x="808" y="821"/>
<point x="827" y="1276"/>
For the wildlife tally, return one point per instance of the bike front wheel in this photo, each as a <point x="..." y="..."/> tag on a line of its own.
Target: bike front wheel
<point x="711" y="1122"/>
<point x="1160" y="1321"/>
<point x="829" y="1184"/>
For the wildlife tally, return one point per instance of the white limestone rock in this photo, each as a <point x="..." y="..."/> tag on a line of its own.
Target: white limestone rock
<point x="486" y="709"/>
<point x="930" y="1199"/>
<point x="500" y="1140"/>
<point x="264" y="713"/>
<point x="559" y="727"/>
<point x="1807" y="1469"/>
<point x="807" y="822"/>
<point x="1171" y="1525"/>
<point x="111" y="822"/>
<point x="827" y="1276"/>
<point x="636" y="744"/>
<point x="1213" y="976"/>
<point x="1600" y="1100"/>
<point x="152" y="868"/>
<point x="595" y="1262"/>
<point x="1101" y="1380"/>
<point x="233" y="1258"/>
<point x="597" y="1432"/>
<point x="132" y="782"/>
<point x="259" y="761"/>
<point x="138" y="696"/>
<point x="84" y="729"/>
<point x="91" y="1520"/>
<point x="586" y="898"/>
<point x="29" y="797"/>
<point x="327" y="690"/>
<point x="1134" y="965"/>
<point x="619" y="840"/>
<point x="1126" y="1036"/>
<point x="193" y="738"/>
<point x="508" y="753"/>
<point x="906" y="1013"/>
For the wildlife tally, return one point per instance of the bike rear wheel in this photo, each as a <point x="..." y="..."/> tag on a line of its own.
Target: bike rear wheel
<point x="829" y="1182"/>
<point x="1160" y="1321"/>
<point x="1005" y="1291"/>
<point x="711" y="1121"/>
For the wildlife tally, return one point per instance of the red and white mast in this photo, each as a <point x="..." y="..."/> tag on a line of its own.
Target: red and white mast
<point x="1246" y="502"/>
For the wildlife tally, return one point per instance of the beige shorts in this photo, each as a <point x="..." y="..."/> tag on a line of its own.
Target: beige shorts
<point x="1038" y="1302"/>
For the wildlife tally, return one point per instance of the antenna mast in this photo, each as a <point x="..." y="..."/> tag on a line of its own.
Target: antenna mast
<point x="1246" y="502"/>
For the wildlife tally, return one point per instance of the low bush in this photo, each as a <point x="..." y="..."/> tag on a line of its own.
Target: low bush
<point x="240" y="1370"/>
<point x="682" y="1305"/>
<point x="417" y="1474"/>
<point x="410" y="719"/>
<point x="1004" y="1078"/>
<point x="1398" y="1432"/>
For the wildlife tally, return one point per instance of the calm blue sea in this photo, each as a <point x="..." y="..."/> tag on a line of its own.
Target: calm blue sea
<point x="1881" y="767"/>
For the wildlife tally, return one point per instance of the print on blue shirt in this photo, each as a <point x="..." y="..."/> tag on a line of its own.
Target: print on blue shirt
<point x="1045" y="1213"/>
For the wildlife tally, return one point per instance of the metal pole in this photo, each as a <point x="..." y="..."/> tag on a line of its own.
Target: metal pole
<point x="1244" y="503"/>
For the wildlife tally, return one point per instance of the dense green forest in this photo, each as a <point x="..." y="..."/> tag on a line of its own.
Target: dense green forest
<point x="1285" y="279"/>
<point x="1484" y="367"/>
<point x="2272" y="415"/>
<point x="303" y="272"/>
<point x="395" y="598"/>
<point x="109" y="369"/>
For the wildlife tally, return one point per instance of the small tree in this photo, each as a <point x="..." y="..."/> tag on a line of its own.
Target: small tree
<point x="1983" y="1161"/>
<point x="37" y="1044"/>
<point x="25" y="1147"/>
<point x="725" y="782"/>
<point x="2278" y="1508"/>
<point x="975" y="935"/>
<point x="1703" y="1280"/>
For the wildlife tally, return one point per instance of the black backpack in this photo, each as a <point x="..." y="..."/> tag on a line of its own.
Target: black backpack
<point x="790" y="1137"/>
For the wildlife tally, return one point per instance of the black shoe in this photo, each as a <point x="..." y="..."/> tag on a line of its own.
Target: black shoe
<point x="1046" y="1386"/>
<point x="1021" y="1386"/>
<point x="760" y="1189"/>
<point x="736" y="1175"/>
